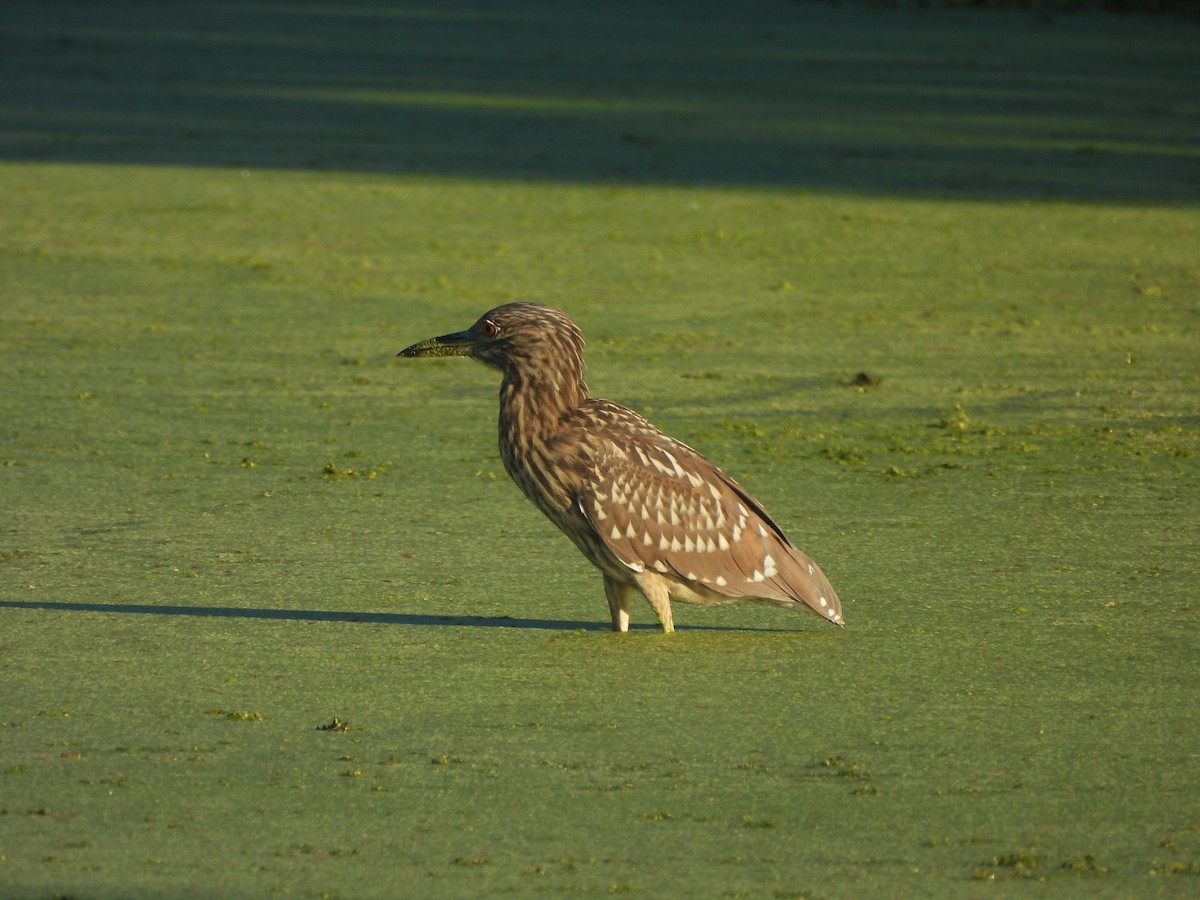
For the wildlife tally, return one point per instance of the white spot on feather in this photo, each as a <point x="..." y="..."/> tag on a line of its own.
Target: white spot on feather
<point x="679" y="473"/>
<point x="616" y="533"/>
<point x="666" y="470"/>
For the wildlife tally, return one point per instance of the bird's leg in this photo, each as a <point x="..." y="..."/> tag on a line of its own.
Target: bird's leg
<point x="618" y="594"/>
<point x="655" y="589"/>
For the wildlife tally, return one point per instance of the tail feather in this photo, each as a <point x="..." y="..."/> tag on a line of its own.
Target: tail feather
<point x="802" y="579"/>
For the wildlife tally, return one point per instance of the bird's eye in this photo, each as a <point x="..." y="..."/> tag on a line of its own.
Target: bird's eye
<point x="491" y="329"/>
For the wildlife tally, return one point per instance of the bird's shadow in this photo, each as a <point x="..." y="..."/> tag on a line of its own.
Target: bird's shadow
<point x="321" y="615"/>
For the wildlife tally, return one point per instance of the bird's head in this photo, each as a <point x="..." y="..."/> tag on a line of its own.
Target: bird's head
<point x="525" y="341"/>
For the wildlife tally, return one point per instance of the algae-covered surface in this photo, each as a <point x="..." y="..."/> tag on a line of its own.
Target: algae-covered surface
<point x="274" y="622"/>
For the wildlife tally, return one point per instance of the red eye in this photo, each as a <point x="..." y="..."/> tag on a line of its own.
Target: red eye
<point x="491" y="329"/>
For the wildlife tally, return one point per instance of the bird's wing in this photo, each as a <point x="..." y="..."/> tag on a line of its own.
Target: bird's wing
<point x="659" y="505"/>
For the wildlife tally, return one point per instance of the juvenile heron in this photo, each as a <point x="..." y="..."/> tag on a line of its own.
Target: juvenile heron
<point x="650" y="513"/>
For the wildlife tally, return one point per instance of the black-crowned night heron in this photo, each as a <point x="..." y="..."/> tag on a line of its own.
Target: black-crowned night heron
<point x="651" y="514"/>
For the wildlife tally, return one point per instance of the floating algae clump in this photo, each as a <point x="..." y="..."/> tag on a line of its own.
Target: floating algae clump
<point x="431" y="347"/>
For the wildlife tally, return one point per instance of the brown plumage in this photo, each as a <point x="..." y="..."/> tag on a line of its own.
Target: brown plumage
<point x="650" y="513"/>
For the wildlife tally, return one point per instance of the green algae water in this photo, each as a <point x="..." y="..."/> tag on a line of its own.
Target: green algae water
<point x="273" y="621"/>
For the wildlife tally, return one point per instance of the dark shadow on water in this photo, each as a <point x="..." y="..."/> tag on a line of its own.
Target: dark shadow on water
<point x="317" y="615"/>
<point x="1003" y="104"/>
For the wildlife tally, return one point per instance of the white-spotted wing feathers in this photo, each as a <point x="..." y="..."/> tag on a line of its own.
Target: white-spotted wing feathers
<point x="660" y="506"/>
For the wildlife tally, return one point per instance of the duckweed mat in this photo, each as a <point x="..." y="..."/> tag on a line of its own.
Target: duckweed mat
<point x="274" y="622"/>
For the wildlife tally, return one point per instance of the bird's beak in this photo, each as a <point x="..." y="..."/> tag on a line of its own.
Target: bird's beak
<point x="458" y="344"/>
